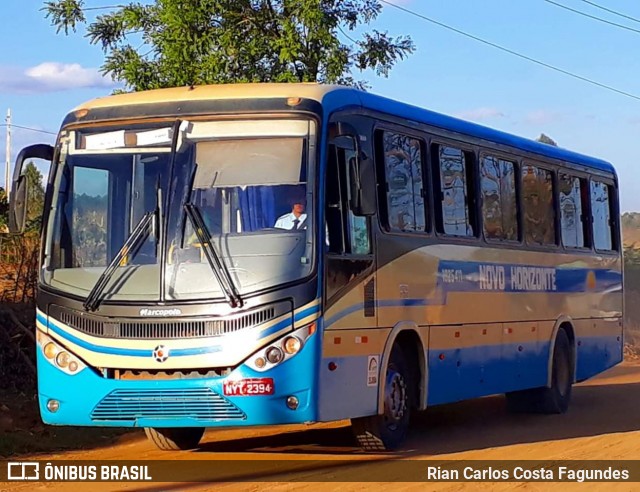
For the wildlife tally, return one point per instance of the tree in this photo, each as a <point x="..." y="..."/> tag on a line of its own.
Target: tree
<point x="168" y="43"/>
<point x="4" y="211"/>
<point x="547" y="140"/>
<point x="35" y="196"/>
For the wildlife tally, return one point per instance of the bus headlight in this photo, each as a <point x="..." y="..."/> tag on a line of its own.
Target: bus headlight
<point x="50" y="350"/>
<point x="58" y="356"/>
<point x="281" y="350"/>
<point x="292" y="345"/>
<point x="62" y="359"/>
<point x="275" y="355"/>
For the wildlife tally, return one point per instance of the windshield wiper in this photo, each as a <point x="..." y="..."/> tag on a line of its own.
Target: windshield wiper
<point x="139" y="233"/>
<point x="223" y="276"/>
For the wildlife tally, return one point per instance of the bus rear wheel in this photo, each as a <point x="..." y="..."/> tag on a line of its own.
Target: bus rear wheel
<point x="175" y="438"/>
<point x="556" y="398"/>
<point x="387" y="431"/>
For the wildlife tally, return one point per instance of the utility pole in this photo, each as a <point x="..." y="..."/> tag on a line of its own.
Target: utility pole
<point x="7" y="166"/>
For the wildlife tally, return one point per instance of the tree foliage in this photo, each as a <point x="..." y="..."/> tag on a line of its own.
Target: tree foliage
<point x="167" y="43"/>
<point x="35" y="196"/>
<point x="631" y="220"/>
<point x="4" y="211"/>
<point x="35" y="202"/>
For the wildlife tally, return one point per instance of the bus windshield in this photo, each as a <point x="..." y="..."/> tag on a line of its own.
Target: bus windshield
<point x="247" y="180"/>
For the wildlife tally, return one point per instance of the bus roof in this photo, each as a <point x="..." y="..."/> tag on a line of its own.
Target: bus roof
<point x="312" y="91"/>
<point x="462" y="127"/>
<point x="334" y="97"/>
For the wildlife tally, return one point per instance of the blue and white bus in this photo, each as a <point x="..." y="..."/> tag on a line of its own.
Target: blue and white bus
<point x="240" y="255"/>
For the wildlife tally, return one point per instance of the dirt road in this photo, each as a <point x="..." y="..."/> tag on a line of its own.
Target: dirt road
<point x="603" y="423"/>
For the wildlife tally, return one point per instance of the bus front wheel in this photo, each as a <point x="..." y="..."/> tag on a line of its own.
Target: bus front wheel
<point x="553" y="399"/>
<point x="175" y="438"/>
<point x="387" y="431"/>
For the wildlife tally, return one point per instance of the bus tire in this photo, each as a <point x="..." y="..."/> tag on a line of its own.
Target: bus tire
<point x="554" y="399"/>
<point x="175" y="438"/>
<point x="387" y="431"/>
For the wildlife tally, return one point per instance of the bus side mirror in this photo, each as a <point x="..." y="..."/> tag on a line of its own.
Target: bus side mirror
<point x="361" y="177"/>
<point x="19" y="197"/>
<point x="363" y="196"/>
<point x="18" y="205"/>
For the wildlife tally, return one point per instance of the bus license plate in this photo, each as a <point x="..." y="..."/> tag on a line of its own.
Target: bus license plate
<point x="249" y="387"/>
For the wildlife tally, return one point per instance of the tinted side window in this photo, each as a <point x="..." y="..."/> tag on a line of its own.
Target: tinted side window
<point x="601" y="201"/>
<point x="346" y="233"/>
<point x="538" y="205"/>
<point x="572" y="218"/>
<point x="359" y="243"/>
<point x="499" y="210"/>
<point x="453" y="167"/>
<point x="405" y="188"/>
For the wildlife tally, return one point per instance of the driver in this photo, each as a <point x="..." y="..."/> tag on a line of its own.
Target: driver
<point x="297" y="218"/>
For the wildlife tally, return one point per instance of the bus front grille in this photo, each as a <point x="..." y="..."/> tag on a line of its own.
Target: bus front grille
<point x="195" y="403"/>
<point x="163" y="329"/>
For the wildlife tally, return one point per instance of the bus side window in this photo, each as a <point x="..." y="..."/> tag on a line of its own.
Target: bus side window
<point x="346" y="233"/>
<point x="603" y="218"/>
<point x="539" y="205"/>
<point x="499" y="199"/>
<point x="358" y="227"/>
<point x="405" y="188"/>
<point x="349" y="246"/>
<point x="455" y="181"/>
<point x="573" y="220"/>
<point x="334" y="204"/>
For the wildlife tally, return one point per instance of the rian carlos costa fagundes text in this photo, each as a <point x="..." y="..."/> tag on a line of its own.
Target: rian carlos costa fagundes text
<point x="562" y="473"/>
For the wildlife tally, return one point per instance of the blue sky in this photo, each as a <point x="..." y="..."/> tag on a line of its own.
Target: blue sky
<point x="43" y="74"/>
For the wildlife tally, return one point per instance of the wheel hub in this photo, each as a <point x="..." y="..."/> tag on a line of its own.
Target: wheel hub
<point x="395" y="398"/>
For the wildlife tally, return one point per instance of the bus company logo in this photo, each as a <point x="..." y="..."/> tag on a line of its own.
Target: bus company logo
<point x="160" y="353"/>
<point x="160" y="312"/>
<point x="23" y="470"/>
<point x="372" y="371"/>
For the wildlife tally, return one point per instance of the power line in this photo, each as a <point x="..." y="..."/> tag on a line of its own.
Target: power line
<point x="634" y="19"/>
<point x="600" y="19"/>
<point x="347" y="36"/>
<point x="511" y="52"/>
<point x="29" y="128"/>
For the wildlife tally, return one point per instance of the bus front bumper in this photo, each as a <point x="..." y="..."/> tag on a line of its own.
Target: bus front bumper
<point x="88" y="399"/>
